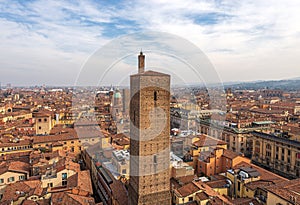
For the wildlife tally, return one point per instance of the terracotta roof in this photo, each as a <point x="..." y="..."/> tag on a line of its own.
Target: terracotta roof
<point x="244" y="201"/>
<point x="188" y="189"/>
<point x="61" y="164"/>
<point x="38" y="156"/>
<point x="121" y="139"/>
<point x="214" y="197"/>
<point x="19" y="166"/>
<point x="14" y="191"/>
<point x="36" y="186"/>
<point x="29" y="202"/>
<point x="217" y="177"/>
<point x="229" y="154"/>
<point x="219" y="200"/>
<point x="185" y="179"/>
<point x="202" y="196"/>
<point x="16" y="166"/>
<point x="66" y="163"/>
<point x="221" y="183"/>
<point x="11" y="144"/>
<point x="119" y="192"/>
<point x="70" y="135"/>
<point x="19" y="189"/>
<point x="42" y="113"/>
<point x="43" y="202"/>
<point x="259" y="184"/>
<point x="286" y="190"/>
<point x="81" y="181"/>
<point x="264" y="174"/>
<point x="174" y="184"/>
<point x="265" y="111"/>
<point x="79" y="199"/>
<point x="57" y="198"/>
<point x="205" y="140"/>
<point x="21" y="156"/>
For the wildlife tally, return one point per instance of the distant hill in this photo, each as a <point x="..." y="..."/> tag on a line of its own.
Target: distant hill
<point x="291" y="84"/>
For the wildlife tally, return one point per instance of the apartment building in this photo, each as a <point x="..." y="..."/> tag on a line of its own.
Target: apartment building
<point x="277" y="153"/>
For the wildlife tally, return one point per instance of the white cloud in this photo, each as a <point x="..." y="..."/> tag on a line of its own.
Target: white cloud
<point x="248" y="36"/>
<point x="41" y="43"/>
<point x="256" y="37"/>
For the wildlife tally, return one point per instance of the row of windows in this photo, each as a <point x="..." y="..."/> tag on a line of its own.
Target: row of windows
<point x="268" y="147"/>
<point x="45" y="120"/>
<point x="189" y="199"/>
<point x="12" y="179"/>
<point x="72" y="142"/>
<point x="152" y="186"/>
<point x="16" y="148"/>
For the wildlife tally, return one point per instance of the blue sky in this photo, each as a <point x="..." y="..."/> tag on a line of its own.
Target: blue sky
<point x="48" y="42"/>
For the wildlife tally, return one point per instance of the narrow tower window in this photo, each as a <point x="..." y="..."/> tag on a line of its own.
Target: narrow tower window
<point x="155" y="96"/>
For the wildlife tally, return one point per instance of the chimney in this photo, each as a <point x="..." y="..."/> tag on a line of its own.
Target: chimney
<point x="141" y="62"/>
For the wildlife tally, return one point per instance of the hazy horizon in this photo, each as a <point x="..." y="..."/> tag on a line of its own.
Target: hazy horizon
<point x="112" y="85"/>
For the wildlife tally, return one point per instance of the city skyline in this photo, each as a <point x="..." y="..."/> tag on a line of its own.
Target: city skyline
<point x="150" y="144"/>
<point x="49" y="42"/>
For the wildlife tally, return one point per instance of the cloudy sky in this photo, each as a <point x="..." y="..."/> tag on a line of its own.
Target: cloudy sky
<point x="48" y="42"/>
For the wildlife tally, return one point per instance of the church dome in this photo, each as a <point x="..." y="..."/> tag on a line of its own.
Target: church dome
<point x="117" y="95"/>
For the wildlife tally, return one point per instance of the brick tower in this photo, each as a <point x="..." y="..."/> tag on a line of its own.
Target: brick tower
<point x="149" y="137"/>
